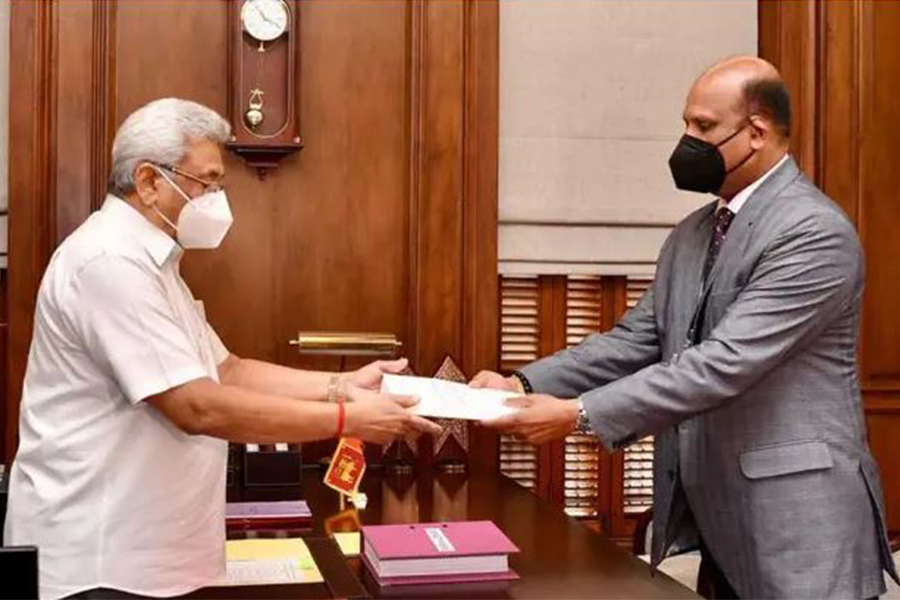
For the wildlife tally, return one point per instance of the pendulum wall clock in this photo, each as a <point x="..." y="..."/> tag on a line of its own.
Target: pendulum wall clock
<point x="264" y="63"/>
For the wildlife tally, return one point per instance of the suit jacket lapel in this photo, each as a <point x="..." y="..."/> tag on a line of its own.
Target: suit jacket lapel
<point x="740" y="232"/>
<point x="689" y="271"/>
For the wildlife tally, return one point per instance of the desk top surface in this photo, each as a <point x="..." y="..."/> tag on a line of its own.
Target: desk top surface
<point x="558" y="558"/>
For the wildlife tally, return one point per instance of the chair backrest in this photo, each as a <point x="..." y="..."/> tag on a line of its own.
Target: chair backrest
<point x="19" y="565"/>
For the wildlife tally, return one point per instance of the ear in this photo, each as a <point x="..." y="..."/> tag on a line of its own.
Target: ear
<point x="760" y="131"/>
<point x="146" y="180"/>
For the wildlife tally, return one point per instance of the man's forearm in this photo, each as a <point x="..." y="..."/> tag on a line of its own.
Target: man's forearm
<point x="274" y="379"/>
<point x="205" y="407"/>
<point x="601" y="358"/>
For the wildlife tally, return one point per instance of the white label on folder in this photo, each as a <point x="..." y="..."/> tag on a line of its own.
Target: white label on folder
<point x="440" y="541"/>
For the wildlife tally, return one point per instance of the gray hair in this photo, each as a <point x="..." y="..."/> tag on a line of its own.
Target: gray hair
<point x="159" y="132"/>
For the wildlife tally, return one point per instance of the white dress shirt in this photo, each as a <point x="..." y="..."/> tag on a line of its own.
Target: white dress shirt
<point x="741" y="197"/>
<point x="111" y="492"/>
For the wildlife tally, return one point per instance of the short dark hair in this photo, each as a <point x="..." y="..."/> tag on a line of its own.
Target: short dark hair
<point x="770" y="98"/>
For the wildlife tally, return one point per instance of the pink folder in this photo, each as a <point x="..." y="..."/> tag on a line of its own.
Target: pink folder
<point x="291" y="512"/>
<point x="437" y="553"/>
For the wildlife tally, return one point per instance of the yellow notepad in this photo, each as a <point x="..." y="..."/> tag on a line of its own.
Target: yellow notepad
<point x="269" y="562"/>
<point x="348" y="542"/>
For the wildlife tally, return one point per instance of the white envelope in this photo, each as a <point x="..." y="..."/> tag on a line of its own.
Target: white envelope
<point x="448" y="399"/>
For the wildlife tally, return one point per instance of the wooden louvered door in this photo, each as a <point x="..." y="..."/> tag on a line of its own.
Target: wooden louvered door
<point x="582" y="454"/>
<point x="637" y="459"/>
<point x="520" y="337"/>
<point x="542" y="314"/>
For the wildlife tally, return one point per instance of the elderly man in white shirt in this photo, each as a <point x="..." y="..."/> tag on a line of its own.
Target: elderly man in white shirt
<point x="130" y="396"/>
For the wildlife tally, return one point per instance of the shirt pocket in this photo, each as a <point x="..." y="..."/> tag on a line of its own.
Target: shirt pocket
<point x="785" y="459"/>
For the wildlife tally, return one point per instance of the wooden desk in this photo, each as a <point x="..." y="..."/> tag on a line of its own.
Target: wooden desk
<point x="559" y="558"/>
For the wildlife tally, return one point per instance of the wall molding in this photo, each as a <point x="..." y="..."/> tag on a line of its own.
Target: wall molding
<point x="32" y="181"/>
<point x="103" y="105"/>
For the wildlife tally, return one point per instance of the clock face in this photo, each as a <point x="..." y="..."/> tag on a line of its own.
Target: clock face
<point x="265" y="20"/>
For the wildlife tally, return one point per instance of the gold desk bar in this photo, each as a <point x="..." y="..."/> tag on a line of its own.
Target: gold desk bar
<point x="347" y="344"/>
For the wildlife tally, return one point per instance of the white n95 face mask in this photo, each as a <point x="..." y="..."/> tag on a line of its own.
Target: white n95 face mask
<point x="204" y="221"/>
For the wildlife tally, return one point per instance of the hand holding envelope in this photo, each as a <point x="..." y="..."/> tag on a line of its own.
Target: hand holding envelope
<point x="540" y="418"/>
<point x="536" y="418"/>
<point x="450" y="400"/>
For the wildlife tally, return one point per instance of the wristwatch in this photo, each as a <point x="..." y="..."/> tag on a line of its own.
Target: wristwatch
<point x="583" y="422"/>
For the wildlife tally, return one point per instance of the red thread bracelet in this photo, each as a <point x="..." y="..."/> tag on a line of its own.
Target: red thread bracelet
<point x="342" y="416"/>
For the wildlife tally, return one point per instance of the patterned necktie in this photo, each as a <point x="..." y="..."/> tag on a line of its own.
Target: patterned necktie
<point x="724" y="217"/>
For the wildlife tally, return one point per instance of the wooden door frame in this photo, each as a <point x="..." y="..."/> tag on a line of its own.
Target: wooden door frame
<point x="32" y="184"/>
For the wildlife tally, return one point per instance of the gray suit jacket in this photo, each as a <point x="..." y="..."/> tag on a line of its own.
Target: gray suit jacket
<point x="760" y="434"/>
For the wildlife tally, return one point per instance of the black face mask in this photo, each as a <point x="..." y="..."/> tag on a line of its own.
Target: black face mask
<point x="698" y="166"/>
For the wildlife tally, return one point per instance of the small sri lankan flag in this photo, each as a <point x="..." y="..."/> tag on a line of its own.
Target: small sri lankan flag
<point x="348" y="464"/>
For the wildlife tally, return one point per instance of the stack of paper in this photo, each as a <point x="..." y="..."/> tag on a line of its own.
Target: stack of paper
<point x="269" y="561"/>
<point x="448" y="399"/>
<point x="348" y="542"/>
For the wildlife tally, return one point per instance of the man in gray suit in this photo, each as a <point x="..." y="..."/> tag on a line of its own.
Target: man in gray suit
<point x="741" y="360"/>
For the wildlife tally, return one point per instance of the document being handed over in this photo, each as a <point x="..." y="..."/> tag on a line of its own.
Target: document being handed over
<point x="448" y="399"/>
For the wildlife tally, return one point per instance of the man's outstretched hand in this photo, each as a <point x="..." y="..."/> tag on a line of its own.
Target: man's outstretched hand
<point x="495" y="381"/>
<point x="540" y="418"/>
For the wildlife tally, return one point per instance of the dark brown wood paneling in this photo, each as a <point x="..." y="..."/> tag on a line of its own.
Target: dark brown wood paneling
<point x="83" y="72"/>
<point x="32" y="182"/>
<point x="481" y="305"/>
<point x="346" y="192"/>
<point x="885" y="443"/>
<point x="879" y="181"/>
<point x="839" y="105"/>
<point x="437" y="185"/>
<point x="552" y="312"/>
<point x="788" y="39"/>
<point x="878" y="213"/>
<point x="845" y="93"/>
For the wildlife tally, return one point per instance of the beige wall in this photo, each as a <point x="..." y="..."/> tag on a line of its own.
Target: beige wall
<point x="591" y="94"/>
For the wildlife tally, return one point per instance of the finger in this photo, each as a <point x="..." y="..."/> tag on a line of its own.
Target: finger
<point x="403" y="401"/>
<point x="412" y="436"/>
<point x="480" y="380"/>
<point x="425" y="426"/>
<point x="393" y="366"/>
<point x="504" y="423"/>
<point x="518" y="402"/>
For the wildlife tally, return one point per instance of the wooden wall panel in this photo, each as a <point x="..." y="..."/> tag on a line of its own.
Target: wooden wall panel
<point x="385" y="221"/>
<point x="32" y="182"/>
<point x="839" y="105"/>
<point x="840" y="61"/>
<point x="437" y="118"/>
<point x="481" y="285"/>
<point x="879" y="182"/>
<point x="885" y="442"/>
<point x="350" y="268"/>
<point x="788" y="37"/>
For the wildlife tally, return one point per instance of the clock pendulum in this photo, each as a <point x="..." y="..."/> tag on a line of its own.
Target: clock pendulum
<point x="254" y="115"/>
<point x="265" y="21"/>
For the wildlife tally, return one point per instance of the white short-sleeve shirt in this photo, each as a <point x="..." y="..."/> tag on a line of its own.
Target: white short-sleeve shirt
<point x="113" y="494"/>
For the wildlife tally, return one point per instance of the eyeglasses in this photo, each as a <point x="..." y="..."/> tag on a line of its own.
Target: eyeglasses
<point x="208" y="186"/>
